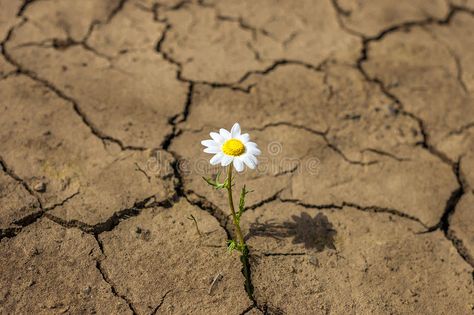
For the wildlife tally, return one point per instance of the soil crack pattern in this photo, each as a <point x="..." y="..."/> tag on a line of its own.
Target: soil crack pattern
<point x="107" y="279"/>
<point x="456" y="195"/>
<point x="360" y="202"/>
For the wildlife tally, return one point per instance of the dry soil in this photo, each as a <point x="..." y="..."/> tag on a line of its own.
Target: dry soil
<point x="363" y="202"/>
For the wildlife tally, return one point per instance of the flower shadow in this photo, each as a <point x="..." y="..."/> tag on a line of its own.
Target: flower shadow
<point x="314" y="233"/>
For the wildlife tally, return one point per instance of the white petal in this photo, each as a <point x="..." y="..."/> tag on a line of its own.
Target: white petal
<point x="217" y="138"/>
<point x="216" y="159"/>
<point x="253" y="158"/>
<point x="248" y="161"/>
<point x="209" y="143"/>
<point x="253" y="150"/>
<point x="239" y="166"/>
<point x="212" y="150"/>
<point x="226" y="160"/>
<point x="225" y="134"/>
<point x="251" y="144"/>
<point x="235" y="131"/>
<point x="244" y="138"/>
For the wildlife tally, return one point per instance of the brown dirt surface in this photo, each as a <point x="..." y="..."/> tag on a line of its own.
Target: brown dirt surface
<point x="362" y="202"/>
<point x="17" y="202"/>
<point x="48" y="269"/>
<point x="176" y="281"/>
<point x="370" y="18"/>
<point x="313" y="259"/>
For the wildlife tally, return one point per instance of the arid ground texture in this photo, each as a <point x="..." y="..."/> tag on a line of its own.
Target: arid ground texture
<point x="363" y="202"/>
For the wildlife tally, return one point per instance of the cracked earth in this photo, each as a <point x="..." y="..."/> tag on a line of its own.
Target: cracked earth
<point x="364" y="201"/>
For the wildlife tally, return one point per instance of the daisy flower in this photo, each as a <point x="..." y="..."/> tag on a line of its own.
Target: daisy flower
<point x="232" y="147"/>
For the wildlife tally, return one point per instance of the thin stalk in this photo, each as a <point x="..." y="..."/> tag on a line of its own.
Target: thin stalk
<point x="231" y="205"/>
<point x="244" y="257"/>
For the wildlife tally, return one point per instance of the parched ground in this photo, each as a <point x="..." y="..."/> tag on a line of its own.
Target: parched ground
<point x="363" y="202"/>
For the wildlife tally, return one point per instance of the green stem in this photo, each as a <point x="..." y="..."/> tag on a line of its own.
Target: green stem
<point x="231" y="205"/>
<point x="244" y="258"/>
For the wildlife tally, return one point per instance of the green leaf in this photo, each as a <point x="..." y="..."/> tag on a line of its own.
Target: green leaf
<point x="243" y="194"/>
<point x="209" y="181"/>
<point x="231" y="245"/>
<point x="215" y="183"/>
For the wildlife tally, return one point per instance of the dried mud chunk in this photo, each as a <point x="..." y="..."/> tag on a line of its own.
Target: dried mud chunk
<point x="462" y="224"/>
<point x="5" y="67"/>
<point x="366" y="263"/>
<point x="16" y="202"/>
<point x="8" y="15"/>
<point x="467" y="170"/>
<point x="174" y="266"/>
<point x="423" y="180"/>
<point x="372" y="17"/>
<point x="49" y="269"/>
<point x="8" y="18"/>
<point x="361" y="117"/>
<point x="459" y="144"/>
<point x="214" y="51"/>
<point x="130" y="98"/>
<point x="44" y="139"/>
<point x="69" y="19"/>
<point x="115" y="187"/>
<point x="464" y="3"/>
<point x="274" y="95"/>
<point x="130" y="30"/>
<point x="429" y="71"/>
<point x="308" y="32"/>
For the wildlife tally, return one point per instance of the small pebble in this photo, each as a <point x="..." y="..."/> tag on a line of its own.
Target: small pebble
<point x="144" y="234"/>
<point x="87" y="290"/>
<point x="314" y="260"/>
<point x="34" y="251"/>
<point x="40" y="187"/>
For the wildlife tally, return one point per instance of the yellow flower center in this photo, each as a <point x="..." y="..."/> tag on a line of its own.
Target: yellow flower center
<point x="233" y="147"/>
